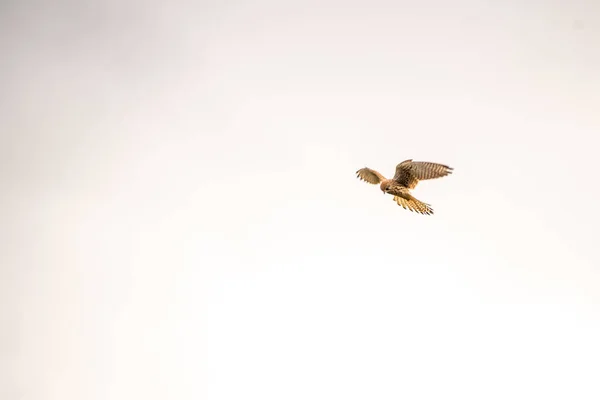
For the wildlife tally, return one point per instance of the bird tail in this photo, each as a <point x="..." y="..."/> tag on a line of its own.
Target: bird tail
<point x="413" y="204"/>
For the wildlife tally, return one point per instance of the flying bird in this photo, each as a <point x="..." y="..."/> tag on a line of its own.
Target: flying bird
<point x="408" y="174"/>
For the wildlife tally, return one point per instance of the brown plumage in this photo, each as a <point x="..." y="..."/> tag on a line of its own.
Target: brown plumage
<point x="407" y="176"/>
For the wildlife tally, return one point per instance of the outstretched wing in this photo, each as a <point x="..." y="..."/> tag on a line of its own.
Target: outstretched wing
<point x="414" y="205"/>
<point x="369" y="175"/>
<point x="409" y="172"/>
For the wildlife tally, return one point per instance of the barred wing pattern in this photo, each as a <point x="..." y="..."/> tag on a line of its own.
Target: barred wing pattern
<point x="409" y="172"/>
<point x="369" y="175"/>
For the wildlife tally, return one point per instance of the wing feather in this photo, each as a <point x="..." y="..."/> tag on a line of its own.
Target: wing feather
<point x="369" y="175"/>
<point x="409" y="172"/>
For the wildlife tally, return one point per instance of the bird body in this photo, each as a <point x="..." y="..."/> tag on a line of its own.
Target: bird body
<point x="407" y="176"/>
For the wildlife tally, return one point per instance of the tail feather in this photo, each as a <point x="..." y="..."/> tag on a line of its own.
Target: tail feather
<point x="414" y="205"/>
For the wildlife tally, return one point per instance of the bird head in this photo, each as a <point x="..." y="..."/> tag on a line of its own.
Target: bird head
<point x="385" y="186"/>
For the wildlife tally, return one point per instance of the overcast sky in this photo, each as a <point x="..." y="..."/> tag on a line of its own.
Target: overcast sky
<point x="181" y="217"/>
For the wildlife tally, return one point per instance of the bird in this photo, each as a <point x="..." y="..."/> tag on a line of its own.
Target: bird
<point x="408" y="174"/>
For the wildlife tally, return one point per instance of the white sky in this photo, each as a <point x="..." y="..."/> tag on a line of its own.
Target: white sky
<point x="181" y="218"/>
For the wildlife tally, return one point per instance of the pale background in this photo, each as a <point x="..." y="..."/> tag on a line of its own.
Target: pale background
<point x="181" y="219"/>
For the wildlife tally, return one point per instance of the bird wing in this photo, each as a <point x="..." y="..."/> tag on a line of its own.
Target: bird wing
<point x="414" y="205"/>
<point x="369" y="175"/>
<point x="409" y="172"/>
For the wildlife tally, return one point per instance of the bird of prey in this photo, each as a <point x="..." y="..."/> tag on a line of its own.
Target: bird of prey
<point x="408" y="174"/>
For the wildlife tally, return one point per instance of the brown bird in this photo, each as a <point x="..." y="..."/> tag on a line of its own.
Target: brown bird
<point x="408" y="174"/>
